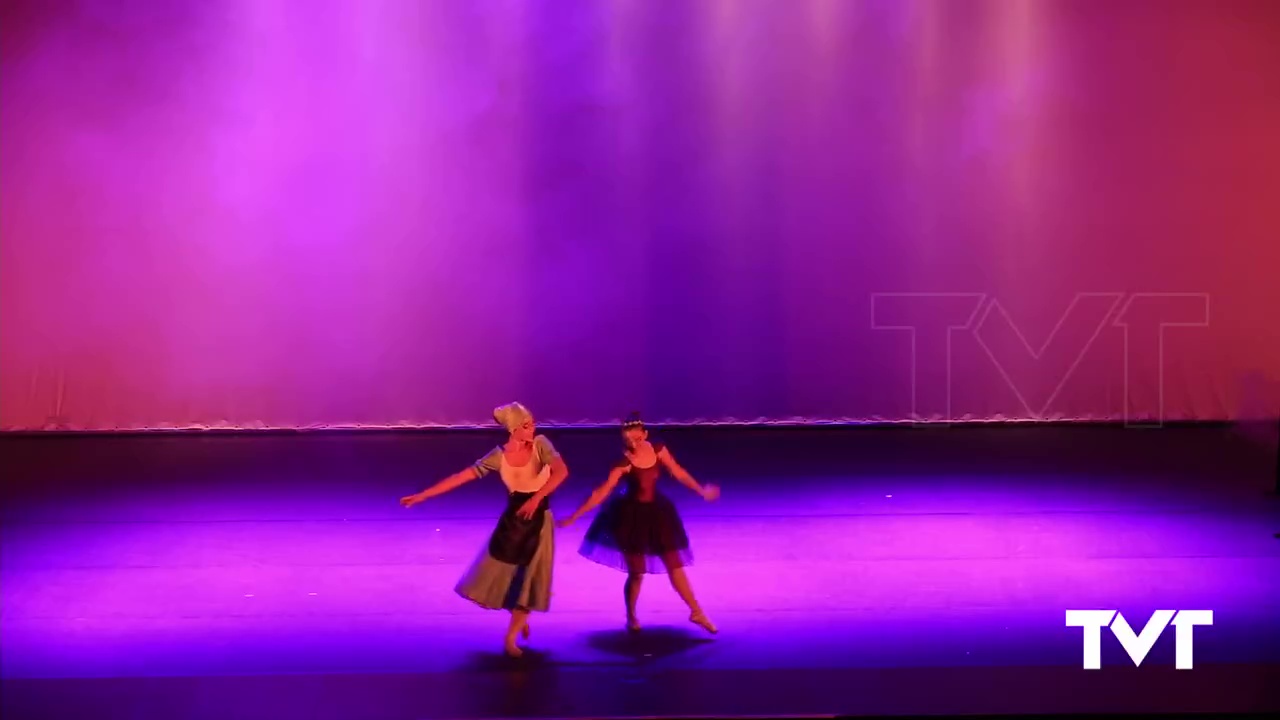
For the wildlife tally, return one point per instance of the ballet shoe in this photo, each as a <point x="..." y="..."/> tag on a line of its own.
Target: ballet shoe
<point x="511" y="649"/>
<point x="704" y="622"/>
<point x="633" y="625"/>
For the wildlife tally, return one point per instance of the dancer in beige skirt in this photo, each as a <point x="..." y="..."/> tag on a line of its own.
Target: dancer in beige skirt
<point x="513" y="572"/>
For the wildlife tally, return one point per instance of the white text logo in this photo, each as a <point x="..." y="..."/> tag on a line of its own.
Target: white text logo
<point x="1139" y="644"/>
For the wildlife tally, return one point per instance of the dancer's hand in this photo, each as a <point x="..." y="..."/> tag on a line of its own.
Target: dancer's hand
<point x="410" y="500"/>
<point x="710" y="492"/>
<point x="566" y="522"/>
<point x="529" y="507"/>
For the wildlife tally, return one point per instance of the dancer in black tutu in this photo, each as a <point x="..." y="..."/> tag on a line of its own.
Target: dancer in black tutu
<point x="639" y="530"/>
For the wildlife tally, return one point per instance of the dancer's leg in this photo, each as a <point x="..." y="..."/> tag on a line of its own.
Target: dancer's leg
<point x="680" y="582"/>
<point x="631" y="589"/>
<point x="631" y="593"/>
<point x="519" y="621"/>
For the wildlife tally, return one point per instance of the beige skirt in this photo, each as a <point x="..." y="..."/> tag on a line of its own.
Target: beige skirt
<point x="496" y="585"/>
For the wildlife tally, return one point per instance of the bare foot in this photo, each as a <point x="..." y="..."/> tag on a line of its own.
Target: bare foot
<point x="704" y="622"/>
<point x="633" y="625"/>
<point x="511" y="649"/>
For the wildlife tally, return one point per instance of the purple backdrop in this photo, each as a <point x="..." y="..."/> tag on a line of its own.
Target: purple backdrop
<point x="371" y="212"/>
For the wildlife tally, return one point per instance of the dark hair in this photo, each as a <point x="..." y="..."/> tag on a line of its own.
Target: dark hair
<point x="633" y="421"/>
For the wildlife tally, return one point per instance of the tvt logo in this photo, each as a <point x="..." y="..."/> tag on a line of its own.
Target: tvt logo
<point x="1139" y="644"/>
<point x="1036" y="372"/>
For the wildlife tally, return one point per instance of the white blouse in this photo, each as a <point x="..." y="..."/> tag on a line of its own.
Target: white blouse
<point x="527" y="478"/>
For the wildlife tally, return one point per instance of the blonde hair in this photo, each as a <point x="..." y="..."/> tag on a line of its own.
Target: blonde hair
<point x="512" y="415"/>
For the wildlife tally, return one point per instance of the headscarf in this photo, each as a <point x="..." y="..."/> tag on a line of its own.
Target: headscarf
<point x="511" y="415"/>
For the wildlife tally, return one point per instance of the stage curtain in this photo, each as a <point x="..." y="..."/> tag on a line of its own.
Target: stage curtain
<point x="234" y="214"/>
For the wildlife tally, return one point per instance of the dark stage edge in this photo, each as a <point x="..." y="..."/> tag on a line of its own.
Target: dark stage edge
<point x="854" y="572"/>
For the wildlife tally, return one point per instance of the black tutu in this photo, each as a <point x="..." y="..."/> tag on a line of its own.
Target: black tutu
<point x="634" y="536"/>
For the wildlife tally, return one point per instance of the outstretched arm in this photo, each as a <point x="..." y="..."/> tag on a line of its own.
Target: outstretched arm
<point x="452" y="482"/>
<point x="599" y="494"/>
<point x="708" y="492"/>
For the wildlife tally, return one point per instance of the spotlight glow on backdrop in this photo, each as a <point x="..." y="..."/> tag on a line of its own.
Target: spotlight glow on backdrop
<point x="305" y="214"/>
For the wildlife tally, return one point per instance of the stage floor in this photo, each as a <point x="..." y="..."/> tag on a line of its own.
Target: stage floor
<point x="851" y="572"/>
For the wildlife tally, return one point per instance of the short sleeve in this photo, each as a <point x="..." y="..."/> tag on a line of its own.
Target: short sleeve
<point x="546" y="451"/>
<point x="489" y="463"/>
